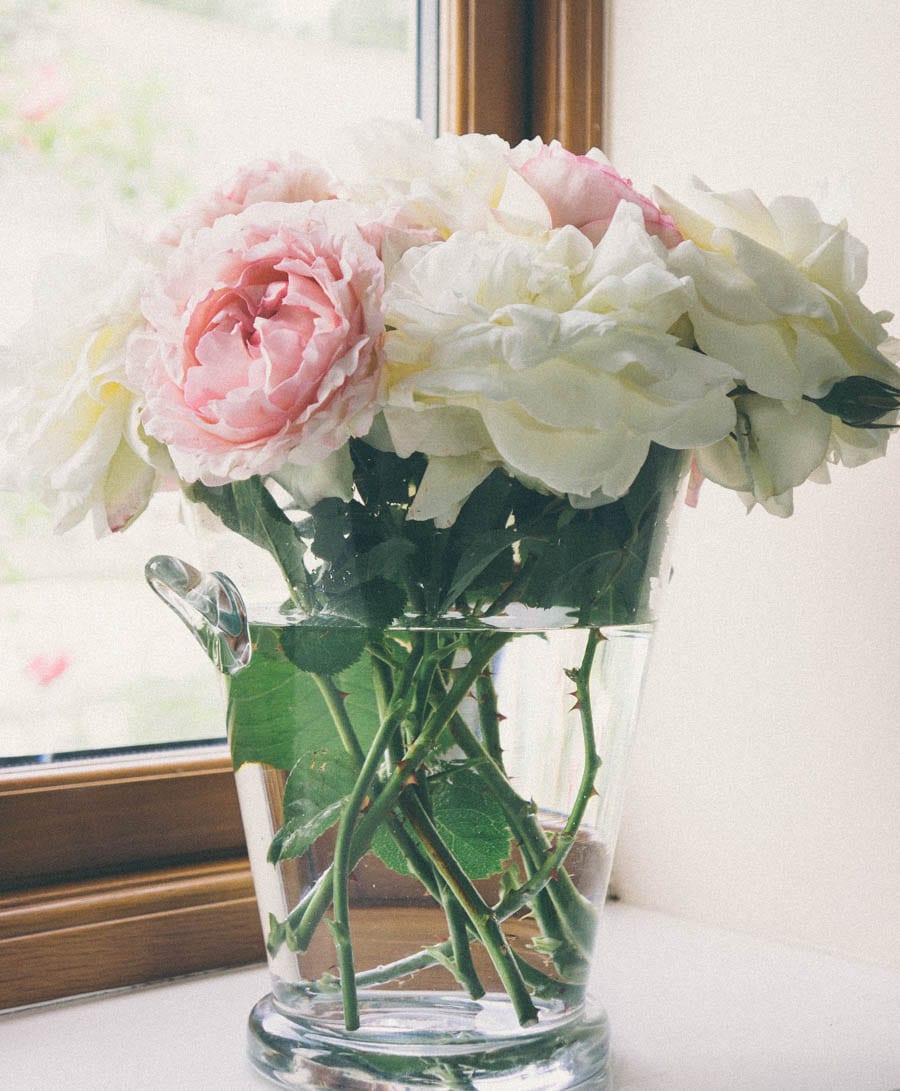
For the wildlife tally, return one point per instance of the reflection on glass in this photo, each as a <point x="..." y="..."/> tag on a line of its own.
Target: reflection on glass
<point x="113" y="112"/>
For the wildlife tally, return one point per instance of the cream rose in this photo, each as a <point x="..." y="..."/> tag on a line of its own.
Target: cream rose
<point x="70" y="419"/>
<point x="454" y="183"/>
<point x="777" y="297"/>
<point x="548" y="357"/>
<point x="263" y="342"/>
<point x="777" y="292"/>
<point x="778" y="445"/>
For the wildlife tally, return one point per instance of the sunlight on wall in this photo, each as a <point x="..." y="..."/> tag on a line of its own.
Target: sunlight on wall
<point x="764" y="790"/>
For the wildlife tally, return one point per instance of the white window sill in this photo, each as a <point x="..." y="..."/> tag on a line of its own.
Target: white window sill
<point x="692" y="1009"/>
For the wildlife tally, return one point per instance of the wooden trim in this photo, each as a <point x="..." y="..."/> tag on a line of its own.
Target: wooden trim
<point x="112" y="816"/>
<point x="567" y="72"/>
<point x="103" y="934"/>
<point x="524" y="68"/>
<point x="484" y="50"/>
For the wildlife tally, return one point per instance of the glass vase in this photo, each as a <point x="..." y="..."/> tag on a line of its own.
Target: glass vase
<point x="431" y="809"/>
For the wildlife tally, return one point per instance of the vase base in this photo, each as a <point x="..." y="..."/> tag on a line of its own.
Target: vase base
<point x="417" y="1040"/>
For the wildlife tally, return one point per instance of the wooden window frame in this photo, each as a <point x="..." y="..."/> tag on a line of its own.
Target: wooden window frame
<point x="524" y="68"/>
<point x="127" y="870"/>
<point x="119" y="871"/>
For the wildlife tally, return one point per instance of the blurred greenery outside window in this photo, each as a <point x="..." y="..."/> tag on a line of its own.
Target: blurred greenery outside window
<point x="110" y="113"/>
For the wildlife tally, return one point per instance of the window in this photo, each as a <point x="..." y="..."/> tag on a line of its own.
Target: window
<point x="114" y="120"/>
<point x="112" y="870"/>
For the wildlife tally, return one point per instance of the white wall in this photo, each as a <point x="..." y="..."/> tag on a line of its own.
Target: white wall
<point x="765" y="790"/>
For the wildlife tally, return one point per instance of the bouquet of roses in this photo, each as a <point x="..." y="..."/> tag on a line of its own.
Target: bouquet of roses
<point x="463" y="381"/>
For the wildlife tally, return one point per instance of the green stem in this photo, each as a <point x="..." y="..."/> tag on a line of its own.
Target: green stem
<point x="546" y="987"/>
<point x="457" y="922"/>
<point x="477" y="910"/>
<point x="554" y="860"/>
<point x="262" y="521"/>
<point x="418" y="864"/>
<point x="485" y="648"/>
<point x="303" y="920"/>
<point x="488" y="717"/>
<point x="542" y="984"/>
<point x="582" y="680"/>
<point x="518" y="813"/>
<point x="334" y="699"/>
<point x="461" y="964"/>
<point x="577" y="914"/>
<point x="344" y="861"/>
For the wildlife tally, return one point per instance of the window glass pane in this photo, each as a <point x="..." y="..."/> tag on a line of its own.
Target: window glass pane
<point x="111" y="111"/>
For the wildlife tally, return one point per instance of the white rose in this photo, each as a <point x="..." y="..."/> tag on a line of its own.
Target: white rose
<point x="777" y="292"/>
<point x="774" y="447"/>
<point x="777" y="297"/>
<point x="546" y="356"/>
<point x="454" y="183"/>
<point x="70" y="422"/>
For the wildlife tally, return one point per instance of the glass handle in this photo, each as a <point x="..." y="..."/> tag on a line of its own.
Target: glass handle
<point x="210" y="606"/>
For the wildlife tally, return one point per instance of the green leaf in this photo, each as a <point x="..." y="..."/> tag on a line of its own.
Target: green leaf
<point x="388" y="561"/>
<point x="476" y="557"/>
<point x="265" y="523"/>
<point x="249" y="509"/>
<point x="469" y="819"/>
<point x="384" y="478"/>
<point x="374" y="604"/>
<point x="323" y="647"/>
<point x="315" y="792"/>
<point x="276" y="712"/>
<point x="388" y="852"/>
<point x="486" y="508"/>
<point x="331" y="518"/>
<point x="655" y="486"/>
<point x="276" y="936"/>
<point x="578" y="559"/>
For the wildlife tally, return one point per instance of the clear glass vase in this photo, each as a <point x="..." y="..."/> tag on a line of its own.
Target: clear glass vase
<point x="419" y="1022"/>
<point x="431" y="809"/>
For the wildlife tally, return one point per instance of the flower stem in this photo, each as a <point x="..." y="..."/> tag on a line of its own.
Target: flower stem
<point x="334" y="700"/>
<point x="542" y="984"/>
<point x="576" y="914"/>
<point x="561" y="918"/>
<point x="488" y="716"/>
<point x="344" y="860"/>
<point x="477" y="910"/>
<point x="306" y="916"/>
<point x="457" y="922"/>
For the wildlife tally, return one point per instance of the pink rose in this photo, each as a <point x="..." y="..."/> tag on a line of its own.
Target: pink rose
<point x="45" y="669"/>
<point x="584" y="192"/>
<point x="298" y="179"/>
<point x="46" y="92"/>
<point x="263" y="342"/>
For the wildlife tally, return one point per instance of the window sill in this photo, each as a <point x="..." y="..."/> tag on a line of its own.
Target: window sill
<point x="692" y="1009"/>
<point x="82" y="937"/>
<point x="122" y="871"/>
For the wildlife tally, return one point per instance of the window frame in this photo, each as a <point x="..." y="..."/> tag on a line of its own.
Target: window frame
<point x="128" y="870"/>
